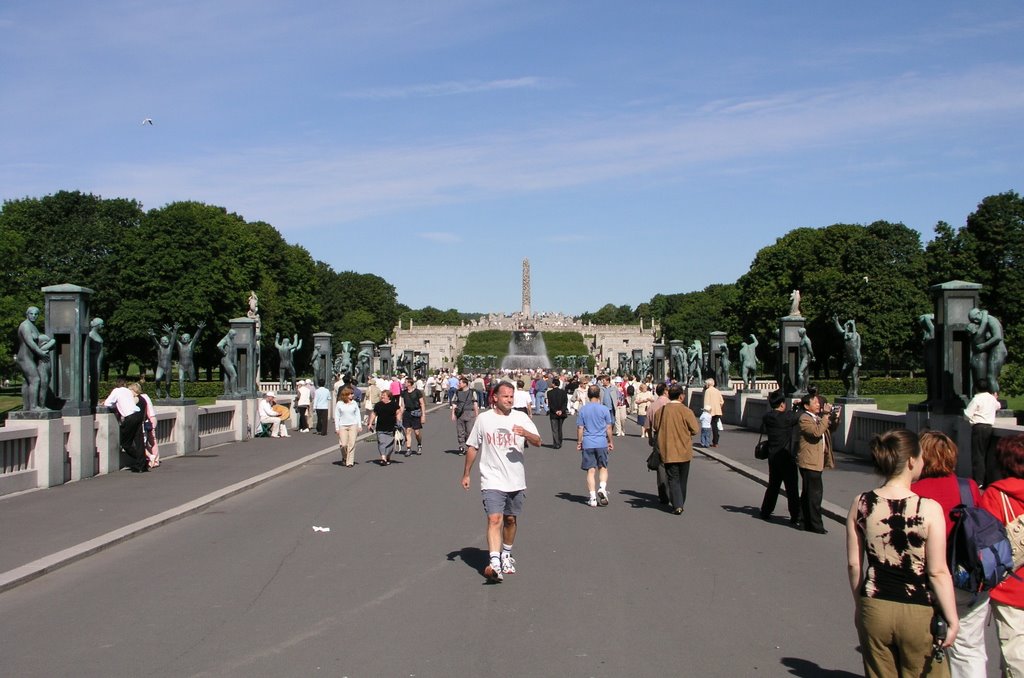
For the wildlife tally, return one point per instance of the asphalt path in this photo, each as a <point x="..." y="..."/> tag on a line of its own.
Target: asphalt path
<point x="247" y="587"/>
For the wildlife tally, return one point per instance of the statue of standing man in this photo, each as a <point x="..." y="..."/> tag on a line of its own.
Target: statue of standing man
<point x="850" y="372"/>
<point x="286" y="349"/>
<point x="227" y="362"/>
<point x="164" y="350"/>
<point x="988" y="350"/>
<point x="748" y="363"/>
<point x="29" y="357"/>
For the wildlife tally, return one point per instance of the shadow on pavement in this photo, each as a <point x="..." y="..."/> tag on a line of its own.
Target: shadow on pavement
<point x="641" y="499"/>
<point x="752" y="511"/>
<point x="569" y="496"/>
<point x="807" y="669"/>
<point x="475" y="558"/>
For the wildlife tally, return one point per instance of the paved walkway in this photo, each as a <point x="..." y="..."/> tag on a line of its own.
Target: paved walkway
<point x="43" y="530"/>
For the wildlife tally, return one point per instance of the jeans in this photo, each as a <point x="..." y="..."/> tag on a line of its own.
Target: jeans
<point x="705" y="437"/>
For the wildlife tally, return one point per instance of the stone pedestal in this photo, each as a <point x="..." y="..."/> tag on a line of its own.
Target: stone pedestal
<point x="48" y="453"/>
<point x="186" y="425"/>
<point x="841" y="437"/>
<point x="246" y="348"/>
<point x="82" y="446"/>
<point x="789" y="352"/>
<point x="67" y="321"/>
<point x="953" y="301"/>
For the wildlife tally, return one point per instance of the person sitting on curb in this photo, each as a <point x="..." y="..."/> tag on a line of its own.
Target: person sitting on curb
<point x="268" y="415"/>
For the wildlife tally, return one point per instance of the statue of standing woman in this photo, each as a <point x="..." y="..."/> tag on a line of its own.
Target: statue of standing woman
<point x="805" y="355"/>
<point x="988" y="350"/>
<point x="96" y="355"/>
<point x="227" y="362"/>
<point x="29" y="358"/>
<point x="850" y="371"/>
<point x="186" y="361"/>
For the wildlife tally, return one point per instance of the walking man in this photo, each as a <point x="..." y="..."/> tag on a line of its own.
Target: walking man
<point x="594" y="436"/>
<point x="674" y="425"/>
<point x="464" y="412"/>
<point x="558" y="410"/>
<point x="321" y="401"/>
<point x="499" y="436"/>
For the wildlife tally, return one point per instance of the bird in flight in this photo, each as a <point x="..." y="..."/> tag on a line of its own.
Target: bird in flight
<point x="148" y="121"/>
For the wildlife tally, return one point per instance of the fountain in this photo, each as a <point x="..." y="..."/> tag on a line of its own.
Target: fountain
<point x="526" y="351"/>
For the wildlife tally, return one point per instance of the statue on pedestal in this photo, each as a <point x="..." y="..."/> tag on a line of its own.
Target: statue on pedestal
<point x="286" y="350"/>
<point x="227" y="362"/>
<point x="96" y="355"/>
<point x="931" y="371"/>
<point x="695" y="354"/>
<point x="30" y="357"/>
<point x="850" y="372"/>
<point x="680" y="364"/>
<point x="186" y="365"/>
<point x="343" y="361"/>
<point x="805" y="354"/>
<point x="722" y="369"/>
<point x="988" y="350"/>
<point x="748" y="363"/>
<point x="794" y="304"/>
<point x="164" y="348"/>
<point x="363" y="361"/>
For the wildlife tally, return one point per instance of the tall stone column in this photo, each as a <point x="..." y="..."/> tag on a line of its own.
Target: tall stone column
<point x="526" y="289"/>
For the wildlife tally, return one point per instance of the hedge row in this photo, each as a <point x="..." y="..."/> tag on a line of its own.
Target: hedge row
<point x="874" y="386"/>
<point x="197" y="389"/>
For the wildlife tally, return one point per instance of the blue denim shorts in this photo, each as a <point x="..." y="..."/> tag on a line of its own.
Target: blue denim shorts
<point x="595" y="457"/>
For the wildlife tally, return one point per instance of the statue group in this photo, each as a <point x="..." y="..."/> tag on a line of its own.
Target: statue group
<point x="186" y="362"/>
<point x="33" y="358"/>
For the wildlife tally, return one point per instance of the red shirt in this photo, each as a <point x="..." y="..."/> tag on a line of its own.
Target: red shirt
<point x="946" y="491"/>
<point x="1011" y="591"/>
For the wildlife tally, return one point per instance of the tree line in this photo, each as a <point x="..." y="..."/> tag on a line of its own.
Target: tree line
<point x="878" y="274"/>
<point x="185" y="262"/>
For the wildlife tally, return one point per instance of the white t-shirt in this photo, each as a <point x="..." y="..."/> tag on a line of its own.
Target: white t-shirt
<point x="500" y="450"/>
<point x="521" y="399"/>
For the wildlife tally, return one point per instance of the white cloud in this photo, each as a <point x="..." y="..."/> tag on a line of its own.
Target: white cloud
<point x="449" y="88"/>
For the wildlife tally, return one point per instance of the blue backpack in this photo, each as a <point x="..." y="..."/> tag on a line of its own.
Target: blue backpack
<point x="980" y="554"/>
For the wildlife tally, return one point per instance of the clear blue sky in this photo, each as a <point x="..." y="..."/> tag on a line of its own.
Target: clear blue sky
<point x="625" y="148"/>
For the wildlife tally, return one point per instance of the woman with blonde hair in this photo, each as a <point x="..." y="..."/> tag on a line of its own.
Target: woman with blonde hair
<point x="902" y="538"/>
<point x="347" y="423"/>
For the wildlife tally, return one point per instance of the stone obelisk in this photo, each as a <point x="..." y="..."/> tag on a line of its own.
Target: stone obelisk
<point x="526" y="289"/>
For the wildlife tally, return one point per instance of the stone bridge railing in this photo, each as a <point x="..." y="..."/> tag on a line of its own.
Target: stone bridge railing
<point x="48" y="452"/>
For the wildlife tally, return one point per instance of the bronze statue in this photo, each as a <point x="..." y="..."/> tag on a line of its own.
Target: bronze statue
<point x="931" y="358"/>
<point x="186" y="365"/>
<point x="227" y="362"/>
<point x="29" y="357"/>
<point x="286" y="350"/>
<point x="748" y="363"/>
<point x="722" y="369"/>
<point x="680" y="364"/>
<point x="695" y="354"/>
<point x="164" y="348"/>
<point x="805" y="353"/>
<point x="364" y="359"/>
<point x="850" y="371"/>
<point x="96" y="355"/>
<point x="988" y="350"/>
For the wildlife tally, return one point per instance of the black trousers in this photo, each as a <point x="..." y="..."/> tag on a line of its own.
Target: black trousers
<point x="984" y="467"/>
<point x="810" y="500"/>
<point x="678" y="474"/>
<point x="556" y="431"/>
<point x="782" y="471"/>
<point x="715" y="421"/>
<point x="321" y="422"/>
<point x="303" y="421"/>
<point x="130" y="428"/>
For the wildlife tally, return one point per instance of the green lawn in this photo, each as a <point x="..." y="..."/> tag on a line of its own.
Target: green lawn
<point x="899" y="402"/>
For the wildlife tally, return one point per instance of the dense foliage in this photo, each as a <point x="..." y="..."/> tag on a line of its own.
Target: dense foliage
<point x="185" y="262"/>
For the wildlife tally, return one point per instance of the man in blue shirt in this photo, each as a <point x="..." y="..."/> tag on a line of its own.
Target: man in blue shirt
<point x="594" y="433"/>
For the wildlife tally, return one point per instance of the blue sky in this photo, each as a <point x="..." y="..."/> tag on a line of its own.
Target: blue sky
<point x="625" y="148"/>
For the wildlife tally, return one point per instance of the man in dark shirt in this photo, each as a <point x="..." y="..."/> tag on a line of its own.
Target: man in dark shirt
<point x="777" y="426"/>
<point x="558" y="410"/>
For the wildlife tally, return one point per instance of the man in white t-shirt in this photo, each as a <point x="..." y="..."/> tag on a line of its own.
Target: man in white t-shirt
<point x="500" y="435"/>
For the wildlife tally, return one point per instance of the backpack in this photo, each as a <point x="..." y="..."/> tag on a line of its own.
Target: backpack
<point x="630" y="391"/>
<point x="979" y="553"/>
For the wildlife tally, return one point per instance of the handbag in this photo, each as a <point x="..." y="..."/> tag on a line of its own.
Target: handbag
<point x="1014" y="531"/>
<point x="761" y="449"/>
<point x="654" y="460"/>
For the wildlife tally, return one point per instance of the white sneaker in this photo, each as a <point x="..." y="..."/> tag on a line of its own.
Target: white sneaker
<point x="592" y="502"/>
<point x="508" y="564"/>
<point x="602" y="497"/>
